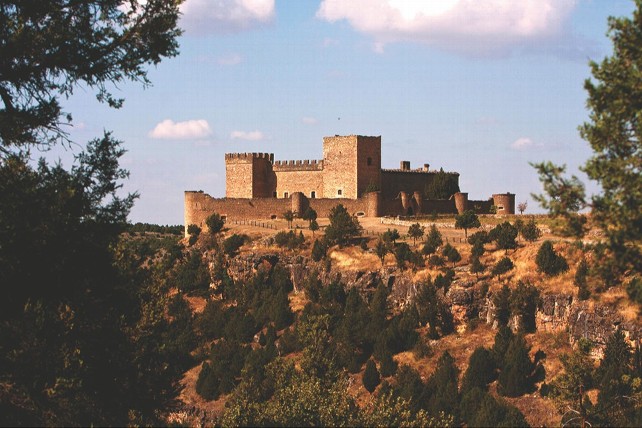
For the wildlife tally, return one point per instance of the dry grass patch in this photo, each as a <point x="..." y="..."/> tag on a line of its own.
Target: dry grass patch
<point x="617" y="297"/>
<point x="354" y="259"/>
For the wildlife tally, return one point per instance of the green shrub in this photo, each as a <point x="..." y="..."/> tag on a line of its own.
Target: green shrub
<point x="548" y="261"/>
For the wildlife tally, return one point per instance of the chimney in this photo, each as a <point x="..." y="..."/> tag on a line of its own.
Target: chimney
<point x="405" y="166"/>
<point x="426" y="167"/>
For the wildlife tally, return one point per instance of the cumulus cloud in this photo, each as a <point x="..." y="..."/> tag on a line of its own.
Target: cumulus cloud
<point x="231" y="59"/>
<point x="202" y="17"/>
<point x="478" y="27"/>
<point x="247" y="136"/>
<point x="188" y="130"/>
<point x="309" y="120"/>
<point x="524" y="143"/>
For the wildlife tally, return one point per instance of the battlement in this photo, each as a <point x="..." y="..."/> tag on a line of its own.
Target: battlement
<point x="298" y="165"/>
<point x="248" y="156"/>
<point x="415" y="171"/>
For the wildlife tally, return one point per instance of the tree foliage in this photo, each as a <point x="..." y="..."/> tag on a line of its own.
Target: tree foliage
<point x="343" y="227"/>
<point x="433" y="241"/>
<point x="467" y="220"/>
<point x="49" y="48"/>
<point x="504" y="265"/>
<point x="442" y="186"/>
<point x="548" y="261"/>
<point x="504" y="235"/>
<point x="415" y="231"/>
<point x="215" y="223"/>
<point x="530" y="231"/>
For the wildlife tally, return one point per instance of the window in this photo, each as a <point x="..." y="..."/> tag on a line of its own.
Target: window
<point x="285" y="194"/>
<point x="339" y="192"/>
<point x="369" y="161"/>
<point x="313" y="194"/>
<point x="500" y="207"/>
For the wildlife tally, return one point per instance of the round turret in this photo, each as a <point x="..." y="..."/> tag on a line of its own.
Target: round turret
<point x="373" y="202"/>
<point x="461" y="202"/>
<point x="300" y="203"/>
<point x="505" y="203"/>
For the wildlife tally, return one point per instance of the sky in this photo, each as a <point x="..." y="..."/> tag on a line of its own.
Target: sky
<point x="481" y="87"/>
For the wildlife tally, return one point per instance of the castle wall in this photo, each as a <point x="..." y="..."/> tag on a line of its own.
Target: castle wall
<point x="340" y="167"/>
<point x="306" y="182"/>
<point x="394" y="181"/>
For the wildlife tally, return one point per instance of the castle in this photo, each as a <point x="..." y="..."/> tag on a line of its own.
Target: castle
<point x="350" y="173"/>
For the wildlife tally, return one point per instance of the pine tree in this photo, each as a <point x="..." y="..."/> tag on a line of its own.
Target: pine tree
<point x="579" y="280"/>
<point x="530" y="231"/>
<point x="516" y="376"/>
<point x="524" y="301"/>
<point x="477" y="267"/>
<point x="371" y="377"/>
<point x="480" y="372"/>
<point x="504" y="265"/>
<point x="467" y="220"/>
<point x="433" y="241"/>
<point x="501" y="301"/>
<point x="444" y="394"/>
<point x="548" y="261"/>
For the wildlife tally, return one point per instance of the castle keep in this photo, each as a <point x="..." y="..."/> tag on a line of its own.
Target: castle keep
<point x="350" y="173"/>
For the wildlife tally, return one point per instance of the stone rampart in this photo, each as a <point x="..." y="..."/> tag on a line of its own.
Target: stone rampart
<point x="297" y="165"/>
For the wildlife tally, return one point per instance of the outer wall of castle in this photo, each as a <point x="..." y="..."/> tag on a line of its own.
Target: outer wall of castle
<point x="258" y="187"/>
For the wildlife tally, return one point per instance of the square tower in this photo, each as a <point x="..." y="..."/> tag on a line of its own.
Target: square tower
<point x="249" y="175"/>
<point x="350" y="164"/>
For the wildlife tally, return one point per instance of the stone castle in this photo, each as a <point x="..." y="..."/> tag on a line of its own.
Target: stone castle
<point x="350" y="173"/>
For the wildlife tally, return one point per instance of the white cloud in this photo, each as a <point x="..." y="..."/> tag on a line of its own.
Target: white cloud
<point x="231" y="59"/>
<point x="478" y="27"/>
<point x="309" y="120"/>
<point x="247" y="136"/>
<point x="201" y="17"/>
<point x="188" y="130"/>
<point x="524" y="143"/>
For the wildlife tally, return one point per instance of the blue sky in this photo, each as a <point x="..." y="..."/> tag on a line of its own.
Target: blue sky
<point x="480" y="87"/>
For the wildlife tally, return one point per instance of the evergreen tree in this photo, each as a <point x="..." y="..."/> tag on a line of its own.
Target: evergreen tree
<point x="614" y="136"/>
<point x="442" y="186"/>
<point x="480" y="371"/>
<point x="319" y="249"/>
<point x="381" y="250"/>
<point x="289" y="217"/>
<point x="517" y="375"/>
<point x="477" y="250"/>
<point x="503" y="339"/>
<point x="310" y="215"/>
<point x="371" y="377"/>
<point x="477" y="267"/>
<point x="524" y="301"/>
<point x="480" y="237"/>
<point x="548" y="261"/>
<point x="314" y="226"/>
<point x="214" y="223"/>
<point x="501" y="301"/>
<point x="415" y="231"/>
<point x="433" y="241"/>
<point x="442" y="387"/>
<point x="579" y="280"/>
<point x="530" y="231"/>
<point x="451" y="253"/>
<point x="504" y="265"/>
<point x="504" y="235"/>
<point x="342" y="227"/>
<point x="467" y="220"/>
<point x="390" y="236"/>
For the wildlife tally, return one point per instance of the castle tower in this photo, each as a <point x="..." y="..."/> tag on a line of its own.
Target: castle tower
<point x="351" y="164"/>
<point x="249" y="175"/>
<point x="461" y="202"/>
<point x="505" y="203"/>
